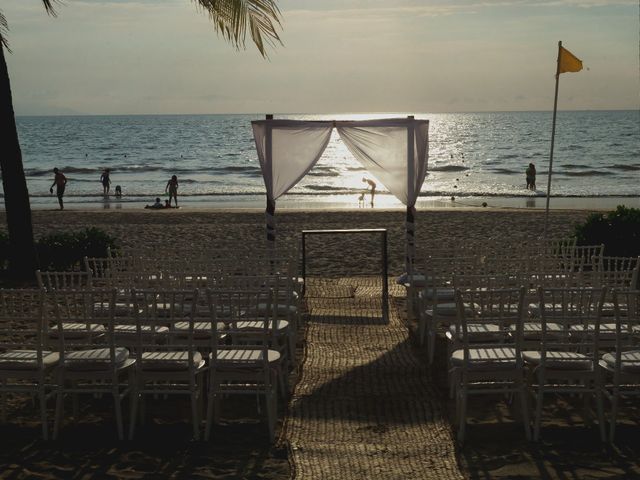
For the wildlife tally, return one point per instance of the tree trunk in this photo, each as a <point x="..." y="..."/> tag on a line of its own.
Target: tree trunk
<point x="22" y="252"/>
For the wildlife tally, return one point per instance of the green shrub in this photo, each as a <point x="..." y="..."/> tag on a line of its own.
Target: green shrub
<point x="619" y="231"/>
<point x="65" y="251"/>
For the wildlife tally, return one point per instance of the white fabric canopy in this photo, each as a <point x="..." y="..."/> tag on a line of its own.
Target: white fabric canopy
<point x="295" y="148"/>
<point x="393" y="150"/>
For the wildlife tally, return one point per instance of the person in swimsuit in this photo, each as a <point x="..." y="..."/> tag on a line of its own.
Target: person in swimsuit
<point x="531" y="177"/>
<point x="60" y="182"/>
<point x="172" y="188"/>
<point x="106" y="182"/>
<point x="372" y="184"/>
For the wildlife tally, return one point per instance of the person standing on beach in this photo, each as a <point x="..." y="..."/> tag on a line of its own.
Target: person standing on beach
<point x="106" y="182"/>
<point x="531" y="177"/>
<point x="172" y="188"/>
<point x="372" y="184"/>
<point x="60" y="182"/>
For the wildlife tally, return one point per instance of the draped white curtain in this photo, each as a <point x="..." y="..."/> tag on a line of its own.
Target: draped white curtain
<point x="295" y="148"/>
<point x="384" y="148"/>
<point x="393" y="150"/>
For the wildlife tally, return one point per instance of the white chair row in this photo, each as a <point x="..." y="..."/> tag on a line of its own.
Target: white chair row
<point x="496" y="348"/>
<point x="430" y="295"/>
<point x="148" y="357"/>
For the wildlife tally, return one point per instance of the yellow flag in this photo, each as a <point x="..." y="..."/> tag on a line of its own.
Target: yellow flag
<point x="568" y="62"/>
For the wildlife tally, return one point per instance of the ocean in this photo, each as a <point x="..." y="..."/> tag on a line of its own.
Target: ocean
<point x="473" y="157"/>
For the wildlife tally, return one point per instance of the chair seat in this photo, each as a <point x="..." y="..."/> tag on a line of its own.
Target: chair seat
<point x="244" y="357"/>
<point x="440" y="294"/>
<point x="559" y="360"/>
<point x="125" y="329"/>
<point x="165" y="309"/>
<point x="417" y="280"/>
<point x="630" y="361"/>
<point x="95" y="359"/>
<point x="608" y="309"/>
<point x="448" y="310"/>
<point x="281" y="308"/>
<point x="170" y="360"/>
<point x="533" y="330"/>
<point x="26" y="359"/>
<point x="121" y="309"/>
<point x="78" y="330"/>
<point x="258" y="325"/>
<point x="479" y="332"/>
<point x="534" y="308"/>
<point x="607" y="330"/>
<point x="486" y="358"/>
<point x="200" y="329"/>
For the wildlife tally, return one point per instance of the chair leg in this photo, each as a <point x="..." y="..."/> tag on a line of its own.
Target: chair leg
<point x="209" y="420"/>
<point x="462" y="414"/>
<point x="272" y="399"/>
<point x="118" y="408"/>
<point x="282" y="381"/>
<point x="42" y="395"/>
<point x="525" y="411"/>
<point x="133" y="412"/>
<point x="600" y="409"/>
<point x="4" y="400"/>
<point x="59" y="409"/>
<point x="194" y="412"/>
<point x="431" y="343"/>
<point x="292" y="346"/>
<point x="538" y="419"/>
<point x="614" y="414"/>
<point x="75" y="405"/>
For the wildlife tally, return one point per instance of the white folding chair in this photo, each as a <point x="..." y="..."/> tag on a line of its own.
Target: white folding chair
<point x="246" y="365"/>
<point x="25" y="361"/>
<point x="53" y="280"/>
<point x="489" y="364"/>
<point x="168" y="362"/>
<point x="84" y="367"/>
<point x="622" y="365"/>
<point x="567" y="362"/>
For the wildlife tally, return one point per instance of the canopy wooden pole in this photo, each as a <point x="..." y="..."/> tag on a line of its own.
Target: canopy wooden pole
<point x="270" y="211"/>
<point x="410" y="221"/>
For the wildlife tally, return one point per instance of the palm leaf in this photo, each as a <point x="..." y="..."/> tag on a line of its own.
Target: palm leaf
<point x="4" y="25"/>
<point x="233" y="18"/>
<point x="4" y="31"/>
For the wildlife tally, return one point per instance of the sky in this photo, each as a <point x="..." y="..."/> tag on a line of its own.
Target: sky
<point x="104" y="57"/>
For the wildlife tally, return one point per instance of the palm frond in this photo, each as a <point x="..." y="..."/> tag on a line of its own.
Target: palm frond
<point x="48" y="6"/>
<point x="4" y="25"/>
<point x="4" y="32"/>
<point x="233" y="18"/>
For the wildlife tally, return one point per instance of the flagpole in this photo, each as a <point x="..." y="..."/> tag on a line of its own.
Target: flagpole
<point x="553" y="135"/>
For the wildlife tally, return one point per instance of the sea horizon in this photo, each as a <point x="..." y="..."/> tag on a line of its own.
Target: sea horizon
<point x="550" y="110"/>
<point x="474" y="158"/>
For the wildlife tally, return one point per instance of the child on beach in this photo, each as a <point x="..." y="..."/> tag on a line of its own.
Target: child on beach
<point x="158" y="204"/>
<point x="60" y="182"/>
<point x="118" y="191"/>
<point x="172" y="188"/>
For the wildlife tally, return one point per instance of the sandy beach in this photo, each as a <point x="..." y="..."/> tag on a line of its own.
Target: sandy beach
<point x="241" y="448"/>
<point x="195" y="228"/>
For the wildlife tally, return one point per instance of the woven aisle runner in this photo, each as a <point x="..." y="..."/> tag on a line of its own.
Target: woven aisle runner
<point x="363" y="407"/>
